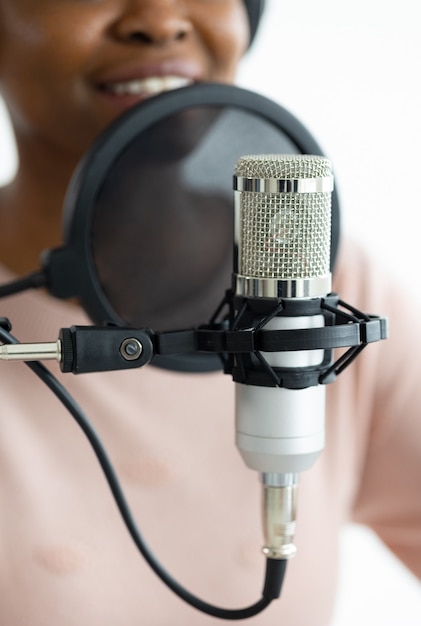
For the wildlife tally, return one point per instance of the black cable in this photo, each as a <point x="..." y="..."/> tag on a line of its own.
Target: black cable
<point x="275" y="569"/>
<point x="31" y="281"/>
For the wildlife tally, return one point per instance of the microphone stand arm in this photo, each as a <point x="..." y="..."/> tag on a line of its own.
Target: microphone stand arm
<point x="83" y="349"/>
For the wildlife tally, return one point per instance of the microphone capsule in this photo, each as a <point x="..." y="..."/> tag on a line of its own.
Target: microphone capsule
<point x="282" y="225"/>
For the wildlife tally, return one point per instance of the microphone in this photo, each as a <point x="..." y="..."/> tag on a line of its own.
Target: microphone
<point x="281" y="274"/>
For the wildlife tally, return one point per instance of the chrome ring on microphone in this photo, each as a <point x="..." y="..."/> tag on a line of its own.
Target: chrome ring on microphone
<point x="281" y="185"/>
<point x="252" y="287"/>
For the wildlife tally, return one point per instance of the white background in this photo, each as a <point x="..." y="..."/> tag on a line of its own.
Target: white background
<point x="350" y="71"/>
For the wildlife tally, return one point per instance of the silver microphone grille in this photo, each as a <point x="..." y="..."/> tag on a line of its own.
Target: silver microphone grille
<point x="283" y="216"/>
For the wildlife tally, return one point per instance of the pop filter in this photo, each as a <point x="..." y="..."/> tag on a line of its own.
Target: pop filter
<point x="148" y="217"/>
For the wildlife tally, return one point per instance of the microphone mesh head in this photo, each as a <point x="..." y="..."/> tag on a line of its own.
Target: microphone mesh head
<point x="283" y="236"/>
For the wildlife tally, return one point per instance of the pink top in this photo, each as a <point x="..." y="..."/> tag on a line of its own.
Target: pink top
<point x="66" y="558"/>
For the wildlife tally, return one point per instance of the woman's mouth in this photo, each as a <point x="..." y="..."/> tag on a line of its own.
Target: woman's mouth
<point x="147" y="86"/>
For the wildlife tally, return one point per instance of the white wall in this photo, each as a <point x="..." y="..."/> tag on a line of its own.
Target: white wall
<point x="350" y="72"/>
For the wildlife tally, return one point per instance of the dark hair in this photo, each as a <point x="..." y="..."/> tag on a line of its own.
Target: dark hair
<point x="254" y="10"/>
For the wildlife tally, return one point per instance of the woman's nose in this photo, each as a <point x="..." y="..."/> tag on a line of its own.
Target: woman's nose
<point x="154" y="22"/>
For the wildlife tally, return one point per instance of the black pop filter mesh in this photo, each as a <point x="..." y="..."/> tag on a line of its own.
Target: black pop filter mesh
<point x="162" y="228"/>
<point x="149" y="213"/>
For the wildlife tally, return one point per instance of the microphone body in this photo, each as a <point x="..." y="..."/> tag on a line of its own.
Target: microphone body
<point x="280" y="430"/>
<point x="281" y="274"/>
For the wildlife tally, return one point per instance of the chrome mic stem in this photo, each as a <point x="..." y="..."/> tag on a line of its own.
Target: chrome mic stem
<point x="279" y="515"/>
<point x="31" y="351"/>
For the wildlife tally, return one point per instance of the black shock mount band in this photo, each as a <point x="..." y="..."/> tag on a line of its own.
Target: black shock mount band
<point x="242" y="339"/>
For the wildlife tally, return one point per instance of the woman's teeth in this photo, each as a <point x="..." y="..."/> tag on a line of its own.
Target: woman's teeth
<point x="148" y="86"/>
